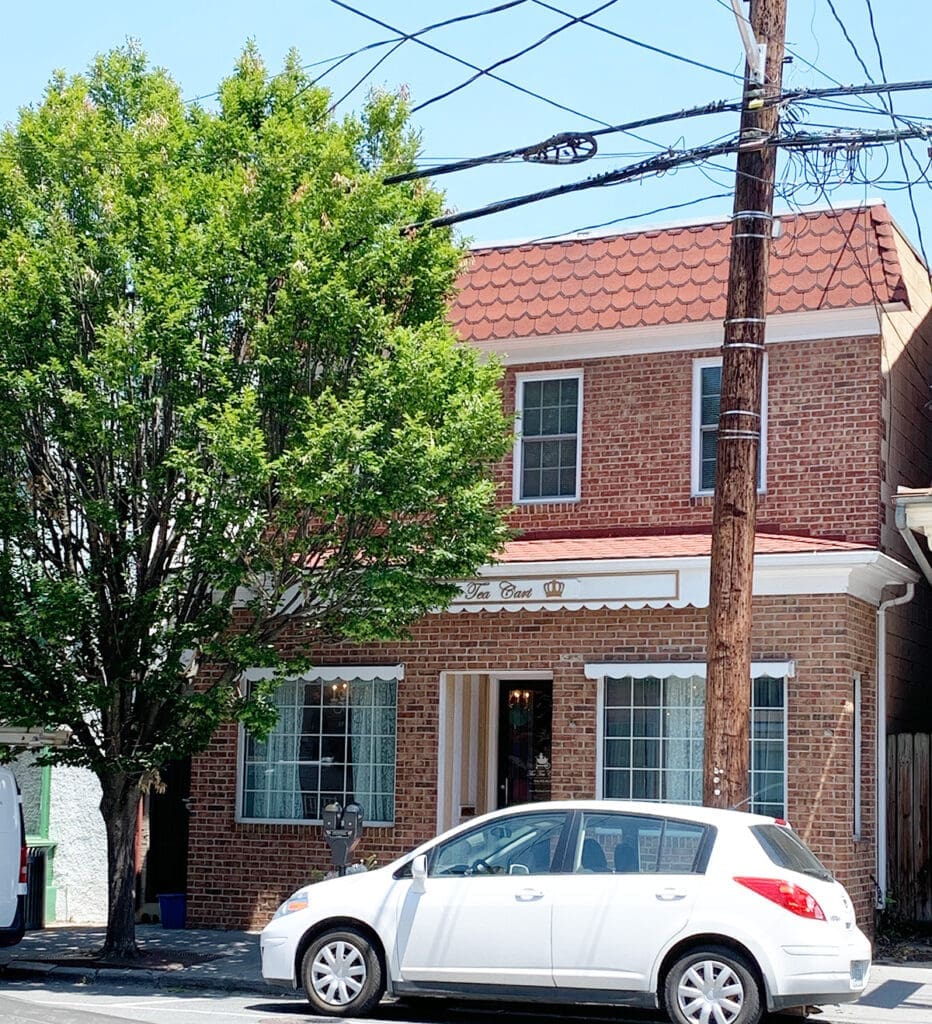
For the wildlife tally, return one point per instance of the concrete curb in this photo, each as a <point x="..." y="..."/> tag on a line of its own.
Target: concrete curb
<point x="23" y="969"/>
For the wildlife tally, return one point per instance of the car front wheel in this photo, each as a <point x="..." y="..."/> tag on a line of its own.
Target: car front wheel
<point x="342" y="974"/>
<point x="712" y="986"/>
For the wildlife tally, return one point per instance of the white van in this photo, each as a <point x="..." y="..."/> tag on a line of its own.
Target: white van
<point x="12" y="861"/>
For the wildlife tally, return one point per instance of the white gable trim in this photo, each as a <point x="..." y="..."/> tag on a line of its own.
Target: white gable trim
<point x="689" y="337"/>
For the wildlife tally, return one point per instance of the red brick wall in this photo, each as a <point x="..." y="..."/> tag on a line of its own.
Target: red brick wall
<point x="238" y="873"/>
<point x="824" y="425"/>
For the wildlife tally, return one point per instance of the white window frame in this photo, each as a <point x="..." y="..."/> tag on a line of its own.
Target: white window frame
<point x="785" y="670"/>
<point x="329" y="674"/>
<point x="696" y="490"/>
<point x="518" y="474"/>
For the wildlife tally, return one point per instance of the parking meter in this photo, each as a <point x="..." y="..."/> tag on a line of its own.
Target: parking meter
<point x="342" y="831"/>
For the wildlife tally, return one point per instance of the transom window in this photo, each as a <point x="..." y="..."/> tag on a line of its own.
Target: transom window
<point x="547" y="454"/>
<point x="652" y="740"/>
<point x="334" y="741"/>
<point x="707" y="400"/>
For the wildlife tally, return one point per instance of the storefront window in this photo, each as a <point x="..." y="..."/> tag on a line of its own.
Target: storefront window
<point x="334" y="741"/>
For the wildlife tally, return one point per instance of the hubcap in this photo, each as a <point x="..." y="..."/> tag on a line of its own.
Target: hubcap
<point x="710" y="993"/>
<point x="338" y="973"/>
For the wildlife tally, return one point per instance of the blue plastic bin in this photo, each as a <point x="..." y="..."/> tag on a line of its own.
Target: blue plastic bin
<point x="173" y="909"/>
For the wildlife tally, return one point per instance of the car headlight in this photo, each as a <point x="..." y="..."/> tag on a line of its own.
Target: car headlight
<point x="296" y="901"/>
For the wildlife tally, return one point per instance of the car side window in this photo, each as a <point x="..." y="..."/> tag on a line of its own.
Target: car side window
<point x="629" y="844"/>
<point x="525" y="844"/>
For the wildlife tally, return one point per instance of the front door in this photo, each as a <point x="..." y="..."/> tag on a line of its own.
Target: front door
<point x="525" y="719"/>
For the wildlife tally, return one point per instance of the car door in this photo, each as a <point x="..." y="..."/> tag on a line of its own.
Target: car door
<point x="633" y="885"/>
<point x="484" y="915"/>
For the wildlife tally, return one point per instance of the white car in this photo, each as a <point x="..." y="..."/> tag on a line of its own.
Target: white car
<point x="715" y="916"/>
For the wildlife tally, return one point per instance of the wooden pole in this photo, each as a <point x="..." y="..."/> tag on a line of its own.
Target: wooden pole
<point x="728" y="688"/>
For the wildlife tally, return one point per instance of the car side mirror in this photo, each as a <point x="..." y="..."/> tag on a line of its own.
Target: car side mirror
<point x="419" y="873"/>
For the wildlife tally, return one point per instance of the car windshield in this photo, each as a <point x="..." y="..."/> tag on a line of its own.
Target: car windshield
<point x="784" y="847"/>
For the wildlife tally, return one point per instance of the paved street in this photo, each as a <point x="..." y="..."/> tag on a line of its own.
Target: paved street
<point x="217" y="978"/>
<point x="904" y="999"/>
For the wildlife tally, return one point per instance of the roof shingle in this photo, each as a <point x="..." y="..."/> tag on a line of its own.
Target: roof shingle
<point x="822" y="260"/>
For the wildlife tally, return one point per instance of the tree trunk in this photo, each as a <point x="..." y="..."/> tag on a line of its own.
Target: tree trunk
<point x="119" y="806"/>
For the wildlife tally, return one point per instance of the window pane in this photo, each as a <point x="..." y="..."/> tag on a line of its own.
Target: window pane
<point x="618" y="692"/>
<point x="617" y="722"/>
<point x="532" y="394"/>
<point x="522" y="844"/>
<point x="530" y="422"/>
<point x="647" y="692"/>
<point x="550" y="393"/>
<point x="618" y="753"/>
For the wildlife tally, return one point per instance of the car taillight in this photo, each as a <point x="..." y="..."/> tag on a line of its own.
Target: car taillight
<point x="791" y="897"/>
<point x="22" y="865"/>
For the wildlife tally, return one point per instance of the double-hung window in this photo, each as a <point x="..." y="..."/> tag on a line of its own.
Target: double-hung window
<point x="707" y="401"/>
<point x="334" y="741"/>
<point x="547" y="453"/>
<point x="651" y="734"/>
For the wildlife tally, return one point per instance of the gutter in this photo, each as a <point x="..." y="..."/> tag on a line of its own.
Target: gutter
<point x="907" y="534"/>
<point x="880" y="732"/>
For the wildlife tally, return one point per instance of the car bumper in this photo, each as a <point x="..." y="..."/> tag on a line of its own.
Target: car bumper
<point x="813" y="975"/>
<point x="277" y="956"/>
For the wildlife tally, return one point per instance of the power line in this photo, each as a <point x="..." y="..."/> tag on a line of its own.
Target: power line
<point x="514" y="56"/>
<point x="670" y="160"/>
<point x="459" y="60"/>
<point x="642" y="45"/>
<point x="636" y="216"/>
<point x="716" y="107"/>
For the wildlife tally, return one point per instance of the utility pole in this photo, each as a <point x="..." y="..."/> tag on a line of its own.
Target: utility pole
<point x="728" y="685"/>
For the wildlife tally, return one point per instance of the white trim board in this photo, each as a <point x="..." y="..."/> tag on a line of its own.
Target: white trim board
<point x="820" y="325"/>
<point x="671" y="582"/>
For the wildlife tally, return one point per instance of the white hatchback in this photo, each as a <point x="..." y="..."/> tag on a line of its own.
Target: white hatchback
<point x="715" y="916"/>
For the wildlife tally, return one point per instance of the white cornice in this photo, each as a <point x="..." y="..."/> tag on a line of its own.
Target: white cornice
<point x="671" y="582"/>
<point x="820" y="325"/>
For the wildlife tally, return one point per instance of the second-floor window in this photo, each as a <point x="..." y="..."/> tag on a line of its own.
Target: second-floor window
<point x="547" y="456"/>
<point x="707" y="400"/>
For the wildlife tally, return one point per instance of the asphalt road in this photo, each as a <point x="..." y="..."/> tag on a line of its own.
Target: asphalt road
<point x="36" y="1002"/>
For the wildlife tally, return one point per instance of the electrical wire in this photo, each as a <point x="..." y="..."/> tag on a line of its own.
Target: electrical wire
<point x="639" y="43"/>
<point x="507" y="60"/>
<point x="634" y="216"/>
<point x="716" y="107"/>
<point x="459" y="60"/>
<point x="667" y="161"/>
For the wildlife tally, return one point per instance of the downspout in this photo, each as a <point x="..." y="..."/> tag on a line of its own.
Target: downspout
<point x="881" y="739"/>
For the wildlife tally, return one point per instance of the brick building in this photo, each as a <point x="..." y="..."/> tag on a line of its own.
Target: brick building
<point x="575" y="666"/>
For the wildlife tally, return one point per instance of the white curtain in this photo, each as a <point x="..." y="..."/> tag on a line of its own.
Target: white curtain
<point x="684" y="700"/>
<point x="281" y="794"/>
<point x="372" y="747"/>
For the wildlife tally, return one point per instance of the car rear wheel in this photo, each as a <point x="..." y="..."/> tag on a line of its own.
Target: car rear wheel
<point x="712" y="986"/>
<point x="342" y="974"/>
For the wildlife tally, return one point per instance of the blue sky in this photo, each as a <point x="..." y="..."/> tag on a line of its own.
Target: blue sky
<point x="600" y="77"/>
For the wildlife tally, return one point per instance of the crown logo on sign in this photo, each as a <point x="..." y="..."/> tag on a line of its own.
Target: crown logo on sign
<point x="554" y="588"/>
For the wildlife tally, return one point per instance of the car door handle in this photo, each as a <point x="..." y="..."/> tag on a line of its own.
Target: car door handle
<point x="669" y="895"/>
<point x="528" y="895"/>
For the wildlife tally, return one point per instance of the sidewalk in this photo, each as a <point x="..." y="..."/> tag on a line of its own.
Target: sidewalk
<point x="173" y="958"/>
<point x="899" y="993"/>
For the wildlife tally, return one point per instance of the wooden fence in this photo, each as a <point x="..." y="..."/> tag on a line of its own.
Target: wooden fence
<point x="909" y="826"/>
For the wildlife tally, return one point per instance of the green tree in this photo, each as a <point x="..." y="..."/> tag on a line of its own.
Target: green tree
<point x="231" y="402"/>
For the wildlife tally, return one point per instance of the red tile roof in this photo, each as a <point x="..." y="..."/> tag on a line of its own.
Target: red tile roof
<point x="679" y="545"/>
<point x="822" y="260"/>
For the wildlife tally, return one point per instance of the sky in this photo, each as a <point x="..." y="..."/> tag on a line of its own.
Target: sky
<point x="597" y="78"/>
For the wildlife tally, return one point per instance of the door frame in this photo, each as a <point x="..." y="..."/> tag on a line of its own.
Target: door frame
<point x="450" y="732"/>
